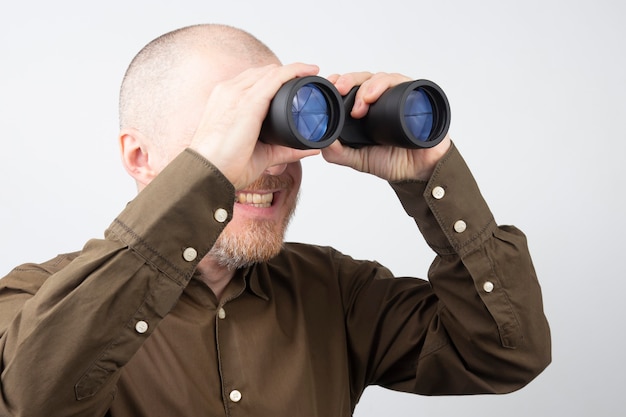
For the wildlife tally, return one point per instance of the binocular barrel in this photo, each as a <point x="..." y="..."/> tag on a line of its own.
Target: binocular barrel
<point x="309" y="113"/>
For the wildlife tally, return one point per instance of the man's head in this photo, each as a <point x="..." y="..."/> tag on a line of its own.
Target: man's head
<point x="162" y="99"/>
<point x="166" y="86"/>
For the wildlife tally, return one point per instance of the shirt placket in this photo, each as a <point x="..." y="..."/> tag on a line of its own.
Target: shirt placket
<point x="231" y="384"/>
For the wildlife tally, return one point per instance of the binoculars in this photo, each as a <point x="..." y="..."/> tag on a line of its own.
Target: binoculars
<point x="309" y="113"/>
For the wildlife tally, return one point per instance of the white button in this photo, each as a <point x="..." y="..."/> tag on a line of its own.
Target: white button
<point x="438" y="192"/>
<point x="235" y="396"/>
<point x="190" y="254"/>
<point x="141" y="327"/>
<point x="220" y="215"/>
<point x="221" y="313"/>
<point x="488" y="286"/>
<point x="460" y="226"/>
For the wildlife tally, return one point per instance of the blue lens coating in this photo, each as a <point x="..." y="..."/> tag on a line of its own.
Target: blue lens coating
<point x="418" y="114"/>
<point x="310" y="112"/>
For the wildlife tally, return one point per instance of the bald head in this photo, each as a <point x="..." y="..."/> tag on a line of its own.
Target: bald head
<point x="162" y="80"/>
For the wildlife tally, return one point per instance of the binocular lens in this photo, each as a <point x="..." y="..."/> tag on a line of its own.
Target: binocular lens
<point x="305" y="113"/>
<point x="418" y="114"/>
<point x="310" y="112"/>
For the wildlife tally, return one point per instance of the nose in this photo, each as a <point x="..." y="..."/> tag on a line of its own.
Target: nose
<point x="276" y="169"/>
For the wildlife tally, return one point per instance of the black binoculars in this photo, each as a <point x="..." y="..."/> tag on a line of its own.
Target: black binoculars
<point x="309" y="113"/>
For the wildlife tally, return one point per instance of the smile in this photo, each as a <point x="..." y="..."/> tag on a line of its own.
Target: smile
<point x="259" y="200"/>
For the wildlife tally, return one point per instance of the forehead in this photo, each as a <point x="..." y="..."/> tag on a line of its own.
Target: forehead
<point x="199" y="74"/>
<point x="221" y="65"/>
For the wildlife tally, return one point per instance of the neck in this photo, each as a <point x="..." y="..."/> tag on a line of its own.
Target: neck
<point x="216" y="277"/>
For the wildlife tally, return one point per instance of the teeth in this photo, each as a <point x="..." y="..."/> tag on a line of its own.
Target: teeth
<point x="256" y="200"/>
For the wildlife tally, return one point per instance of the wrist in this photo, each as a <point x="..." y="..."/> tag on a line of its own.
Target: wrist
<point x="429" y="159"/>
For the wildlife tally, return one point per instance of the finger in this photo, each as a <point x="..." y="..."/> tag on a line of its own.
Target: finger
<point x="266" y="156"/>
<point x="262" y="83"/>
<point x="333" y="78"/>
<point x="375" y="86"/>
<point x="345" y="82"/>
<point x="371" y="89"/>
<point x="338" y="154"/>
<point x="333" y="152"/>
<point x="278" y="155"/>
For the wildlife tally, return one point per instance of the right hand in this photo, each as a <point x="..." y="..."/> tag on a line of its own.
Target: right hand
<point x="387" y="162"/>
<point x="228" y="132"/>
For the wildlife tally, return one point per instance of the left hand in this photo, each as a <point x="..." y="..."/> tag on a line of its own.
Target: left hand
<point x="387" y="162"/>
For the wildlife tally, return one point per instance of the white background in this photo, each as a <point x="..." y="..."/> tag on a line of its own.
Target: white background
<point x="537" y="89"/>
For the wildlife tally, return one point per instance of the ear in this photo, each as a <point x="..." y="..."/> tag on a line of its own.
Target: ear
<point x="135" y="152"/>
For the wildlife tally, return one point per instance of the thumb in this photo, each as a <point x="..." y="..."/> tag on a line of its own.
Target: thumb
<point x="339" y="154"/>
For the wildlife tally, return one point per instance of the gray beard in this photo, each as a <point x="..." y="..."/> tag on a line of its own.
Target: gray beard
<point x="259" y="242"/>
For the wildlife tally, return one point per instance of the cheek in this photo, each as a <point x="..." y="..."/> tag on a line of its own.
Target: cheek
<point x="294" y="171"/>
<point x="292" y="199"/>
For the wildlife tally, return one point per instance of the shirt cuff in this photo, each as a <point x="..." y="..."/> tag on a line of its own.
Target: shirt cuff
<point x="449" y="209"/>
<point x="176" y="219"/>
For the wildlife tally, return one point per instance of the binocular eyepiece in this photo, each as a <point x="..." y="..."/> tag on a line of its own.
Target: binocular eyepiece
<point x="309" y="113"/>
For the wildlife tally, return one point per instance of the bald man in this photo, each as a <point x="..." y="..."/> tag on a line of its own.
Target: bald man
<point x="193" y="305"/>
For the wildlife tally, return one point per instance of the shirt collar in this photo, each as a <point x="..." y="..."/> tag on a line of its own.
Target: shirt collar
<point x="255" y="280"/>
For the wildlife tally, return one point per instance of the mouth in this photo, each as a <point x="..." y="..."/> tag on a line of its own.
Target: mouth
<point x="265" y="193"/>
<point x="256" y="199"/>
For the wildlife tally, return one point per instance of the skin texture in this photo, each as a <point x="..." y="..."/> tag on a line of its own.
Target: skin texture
<point x="221" y="95"/>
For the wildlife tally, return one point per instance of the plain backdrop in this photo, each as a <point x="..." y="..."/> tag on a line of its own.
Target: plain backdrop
<point x="537" y="90"/>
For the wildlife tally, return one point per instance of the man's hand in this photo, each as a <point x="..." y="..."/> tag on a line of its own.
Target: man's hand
<point x="387" y="162"/>
<point x="229" y="130"/>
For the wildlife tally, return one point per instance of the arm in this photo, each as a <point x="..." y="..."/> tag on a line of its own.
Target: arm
<point x="478" y="325"/>
<point x="87" y="320"/>
<point x="492" y="335"/>
<point x="63" y="347"/>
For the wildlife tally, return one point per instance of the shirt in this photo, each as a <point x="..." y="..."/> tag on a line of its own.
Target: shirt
<point x="122" y="328"/>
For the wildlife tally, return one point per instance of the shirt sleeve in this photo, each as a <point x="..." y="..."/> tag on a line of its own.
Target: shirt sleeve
<point x="477" y="325"/>
<point x="62" y="346"/>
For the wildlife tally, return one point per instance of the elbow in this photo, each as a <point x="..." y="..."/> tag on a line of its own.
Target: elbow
<point x="540" y="357"/>
<point x="525" y="363"/>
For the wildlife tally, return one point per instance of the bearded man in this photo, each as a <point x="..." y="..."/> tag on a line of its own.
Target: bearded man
<point x="192" y="304"/>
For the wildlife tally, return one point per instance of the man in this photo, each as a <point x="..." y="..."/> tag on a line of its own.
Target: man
<point x="192" y="305"/>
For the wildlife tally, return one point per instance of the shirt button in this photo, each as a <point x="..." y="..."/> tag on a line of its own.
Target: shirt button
<point x="438" y="192"/>
<point x="190" y="254"/>
<point x="488" y="286"/>
<point x="460" y="226"/>
<point x="141" y="327"/>
<point x="220" y="215"/>
<point x="221" y="313"/>
<point x="235" y="396"/>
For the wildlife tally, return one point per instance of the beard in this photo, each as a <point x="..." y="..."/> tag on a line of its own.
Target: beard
<point x="259" y="241"/>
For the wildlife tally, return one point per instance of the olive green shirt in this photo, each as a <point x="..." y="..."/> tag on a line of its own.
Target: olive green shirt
<point x="122" y="328"/>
